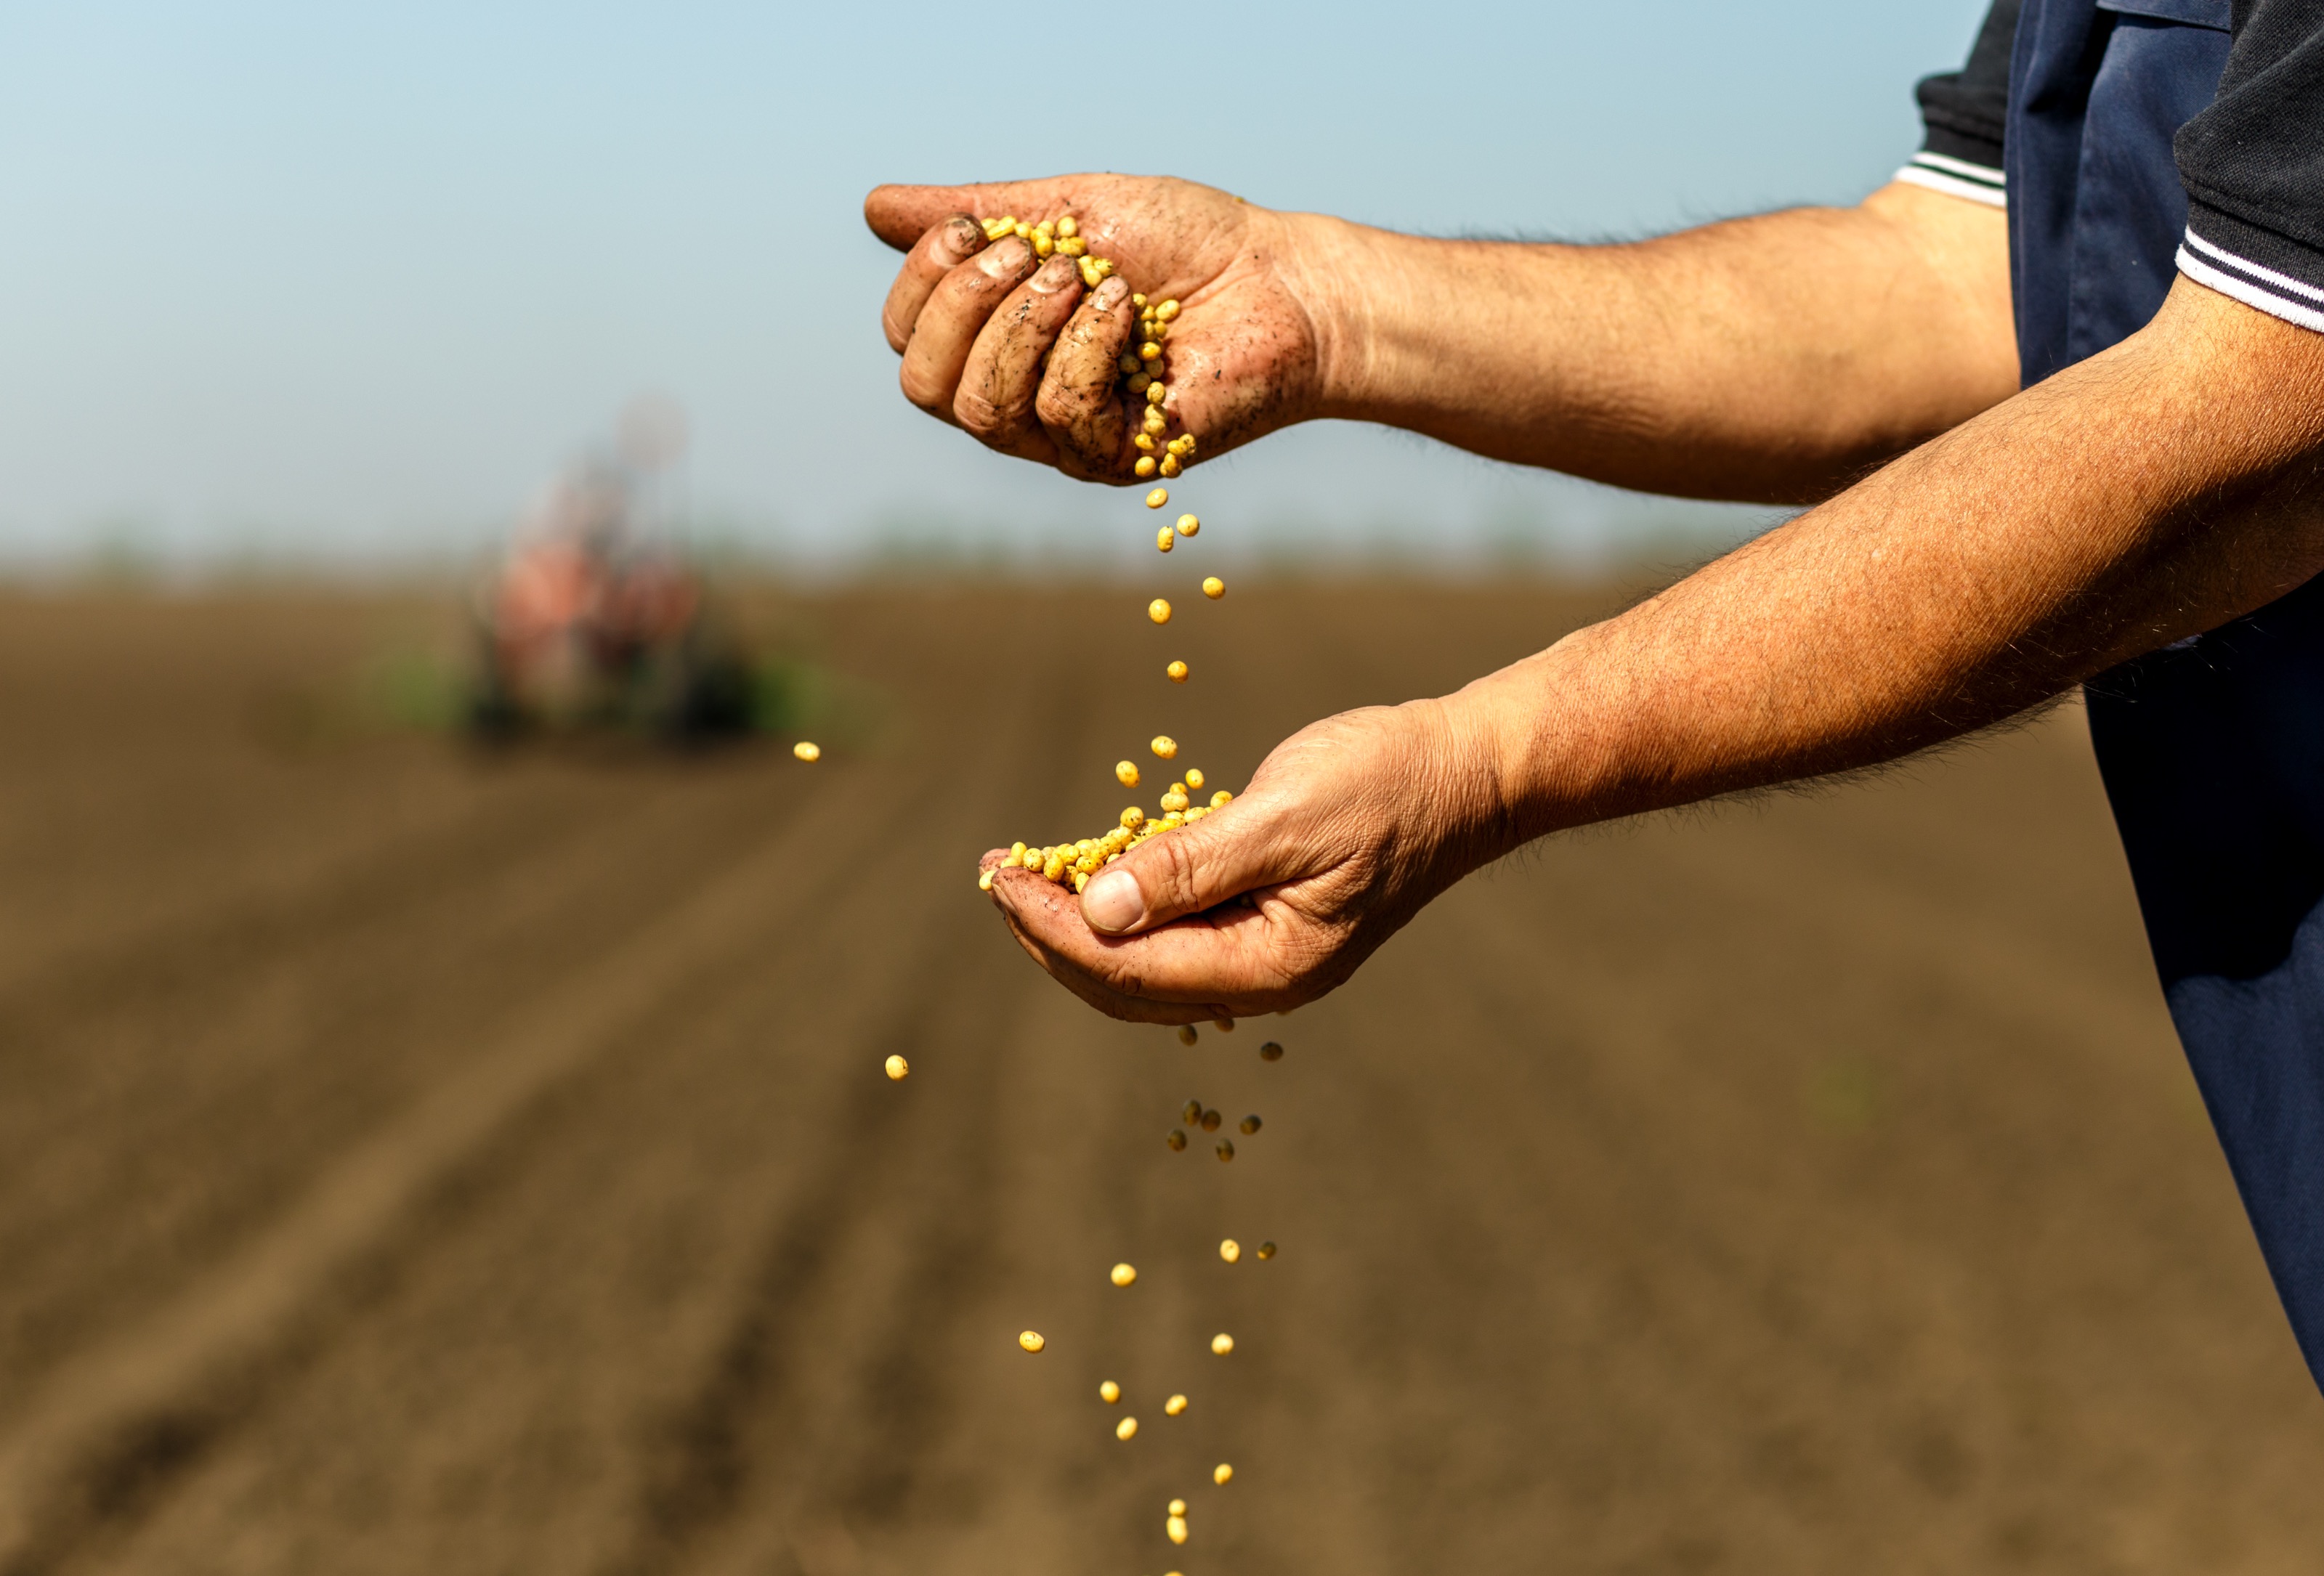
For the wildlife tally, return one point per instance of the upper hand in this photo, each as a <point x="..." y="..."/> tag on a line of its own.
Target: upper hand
<point x="1347" y="829"/>
<point x="1018" y="354"/>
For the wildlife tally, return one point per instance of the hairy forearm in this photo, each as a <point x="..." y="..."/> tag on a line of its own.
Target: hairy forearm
<point x="2151" y="493"/>
<point x="1769" y="359"/>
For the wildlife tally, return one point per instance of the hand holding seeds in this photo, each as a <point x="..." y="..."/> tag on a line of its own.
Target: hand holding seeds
<point x="1017" y="341"/>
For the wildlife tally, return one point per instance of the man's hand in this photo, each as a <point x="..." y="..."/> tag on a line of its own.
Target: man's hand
<point x="1018" y="354"/>
<point x="1347" y="829"/>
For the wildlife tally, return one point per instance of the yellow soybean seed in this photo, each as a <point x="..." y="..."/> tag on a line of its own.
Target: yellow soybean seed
<point x="1155" y="425"/>
<point x="1193" y="777"/>
<point x="1024" y="231"/>
<point x="1109" y="1392"/>
<point x="1174" y="1405"/>
<point x="1221" y="1343"/>
<point x="1213" y="588"/>
<point x="1187" y="525"/>
<point x="1186" y="1035"/>
<point x="1223" y="1474"/>
<point x="1176" y="1527"/>
<point x="1156" y="394"/>
<point x="1173" y="801"/>
<point x="1053" y="867"/>
<point x="1145" y="467"/>
<point x="1125" y="772"/>
<point x="1176" y="1140"/>
<point x="1125" y="1428"/>
<point x="1178" y="1507"/>
<point x="1167" y="311"/>
<point x="1043" y="245"/>
<point x="1158" y="611"/>
<point x="1177" y="672"/>
<point x="1267" y="1249"/>
<point x="806" y="750"/>
<point x="1145" y="442"/>
<point x="1251" y="1124"/>
<point x="1129" y="363"/>
<point x="1068" y="226"/>
<point x="1230" y="1251"/>
<point x="1210" y="1119"/>
<point x="985" y="880"/>
<point x="1137" y="301"/>
<point x="1149" y="351"/>
<point x="1163" y="540"/>
<point x="1030" y="1339"/>
<point x="1139" y="382"/>
<point x="1132" y="818"/>
<point x="1073" y="246"/>
<point x="1091" y="276"/>
<point x="1220" y="800"/>
<point x="1121" y="1275"/>
<point x="1158" y="497"/>
<point x="1270" y="1051"/>
<point x="1162" y="744"/>
<point x="899" y="1069"/>
<point x="1226" y="1150"/>
<point x="1192" y="1113"/>
<point x="1170" y="467"/>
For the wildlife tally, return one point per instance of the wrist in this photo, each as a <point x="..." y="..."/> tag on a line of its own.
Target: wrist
<point x="1341" y="275"/>
<point x="1549" y="737"/>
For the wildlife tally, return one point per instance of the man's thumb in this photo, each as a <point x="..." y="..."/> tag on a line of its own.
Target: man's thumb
<point x="1180" y="872"/>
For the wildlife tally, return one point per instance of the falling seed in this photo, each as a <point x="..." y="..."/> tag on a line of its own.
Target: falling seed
<point x="1158" y="610"/>
<point x="1249" y="1124"/>
<point x="1030" y="1339"/>
<point x="1125" y="772"/>
<point x="1223" y="1474"/>
<point x="1164" y="541"/>
<point x="1174" y="1405"/>
<point x="1267" y="1249"/>
<point x="1163" y="746"/>
<point x="1123" y="1273"/>
<point x="1213" y="588"/>
<point x="1177" y="1507"/>
<point x="1230" y="1251"/>
<point x="899" y="1069"/>
<point x="1223" y="1024"/>
<point x="1194" y="780"/>
<point x="1177" y="672"/>
<point x="1125" y="1428"/>
<point x="1186" y="1035"/>
<point x="1191" y="1112"/>
<point x="1158" y="497"/>
<point x="1176" y="1140"/>
<point x="1221" y="1343"/>
<point x="1210" y="1121"/>
<point x="1109" y="1392"/>
<point x="808" y="751"/>
<point x="1270" y="1052"/>
<point x="1176" y="1527"/>
<point x="1188" y="525"/>
<point x="1226" y="1150"/>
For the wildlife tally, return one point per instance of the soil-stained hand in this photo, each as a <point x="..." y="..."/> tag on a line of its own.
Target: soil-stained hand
<point x="1348" y="828"/>
<point x="1024" y="358"/>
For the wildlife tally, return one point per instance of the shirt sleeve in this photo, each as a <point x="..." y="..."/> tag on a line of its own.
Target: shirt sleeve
<point x="1963" y="112"/>
<point x="2254" y="166"/>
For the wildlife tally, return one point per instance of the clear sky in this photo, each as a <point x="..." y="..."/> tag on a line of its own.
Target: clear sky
<point x="340" y="281"/>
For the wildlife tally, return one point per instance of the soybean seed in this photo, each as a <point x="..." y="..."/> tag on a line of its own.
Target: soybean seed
<point x="1173" y="1407"/>
<point x="1267" y="1249"/>
<point x="1169" y="466"/>
<point x="899" y="1069"/>
<point x="1163" y="744"/>
<point x="1177" y="672"/>
<point x="1158" y="611"/>
<point x="1030" y="1339"/>
<point x="1230" y="1251"/>
<point x="1193" y="777"/>
<point x="1193" y="1114"/>
<point x="1251" y="1124"/>
<point x="1223" y="1024"/>
<point x="1209" y="1119"/>
<point x="1187" y="525"/>
<point x="1154" y="426"/>
<point x="1270" y="1052"/>
<point x="1165" y="312"/>
<point x="1186" y="1035"/>
<point x="1221" y="1343"/>
<point x="1068" y="226"/>
<point x="1109" y="1392"/>
<point x="1122" y="1274"/>
<point x="1137" y="300"/>
<point x="1223" y="1474"/>
<point x="1125" y="1428"/>
<point x="1138" y="382"/>
<point x="1220" y="800"/>
<point x="1226" y="1150"/>
<point x="806" y="750"/>
<point x="1145" y="466"/>
<point x="1144" y="442"/>
<point x="1178" y="1507"/>
<point x="1128" y="362"/>
<point x="1154" y="394"/>
<point x="1176" y="1140"/>
<point x="1125" y="772"/>
<point x="1176" y="1527"/>
<point x="985" y="880"/>
<point x="1149" y="351"/>
<point x="1213" y="588"/>
<point x="1164" y="541"/>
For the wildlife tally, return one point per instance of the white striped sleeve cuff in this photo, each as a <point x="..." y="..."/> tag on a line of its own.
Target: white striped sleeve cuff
<point x="2274" y="292"/>
<point x="1957" y="177"/>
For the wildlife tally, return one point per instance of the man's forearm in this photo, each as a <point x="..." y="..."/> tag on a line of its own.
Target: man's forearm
<point x="2153" y="492"/>
<point x="1772" y="359"/>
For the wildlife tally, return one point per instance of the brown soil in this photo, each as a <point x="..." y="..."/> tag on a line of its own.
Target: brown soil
<point x="413" y="1161"/>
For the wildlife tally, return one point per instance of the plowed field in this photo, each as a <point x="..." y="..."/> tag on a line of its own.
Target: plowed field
<point x="416" y="1161"/>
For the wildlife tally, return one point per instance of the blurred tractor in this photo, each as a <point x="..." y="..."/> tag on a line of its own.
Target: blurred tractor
<point x="590" y="623"/>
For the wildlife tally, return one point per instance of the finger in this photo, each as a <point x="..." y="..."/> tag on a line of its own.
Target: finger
<point x="946" y="246"/>
<point x="1003" y="375"/>
<point x="1078" y="405"/>
<point x="1235" y="963"/>
<point x="1044" y="919"/>
<point x="955" y="313"/>
<point x="1231" y="851"/>
<point x="900" y="215"/>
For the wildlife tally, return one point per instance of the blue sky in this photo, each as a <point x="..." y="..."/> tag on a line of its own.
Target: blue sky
<point x="341" y="281"/>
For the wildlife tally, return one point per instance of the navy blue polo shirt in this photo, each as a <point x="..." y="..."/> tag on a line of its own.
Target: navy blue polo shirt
<point x="2132" y="141"/>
